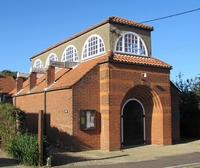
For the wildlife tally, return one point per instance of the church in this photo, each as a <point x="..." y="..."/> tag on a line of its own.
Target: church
<point x="101" y="89"/>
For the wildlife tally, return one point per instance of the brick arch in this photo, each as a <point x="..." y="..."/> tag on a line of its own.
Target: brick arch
<point x="153" y="111"/>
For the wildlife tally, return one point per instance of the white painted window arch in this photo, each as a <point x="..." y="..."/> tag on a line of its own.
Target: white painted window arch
<point x="131" y="43"/>
<point x="93" y="46"/>
<point x="38" y="64"/>
<point x="51" y="57"/>
<point x="70" y="54"/>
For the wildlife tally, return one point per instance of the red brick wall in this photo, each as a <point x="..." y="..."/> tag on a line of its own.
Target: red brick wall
<point x="31" y="104"/>
<point x="59" y="117"/>
<point x="86" y="96"/>
<point x="110" y="111"/>
<point x="175" y="114"/>
<point x="116" y="82"/>
<point x="105" y="89"/>
<point x="58" y="123"/>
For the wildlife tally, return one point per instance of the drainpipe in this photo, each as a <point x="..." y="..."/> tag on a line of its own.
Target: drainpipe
<point x="45" y="112"/>
<point x="15" y="101"/>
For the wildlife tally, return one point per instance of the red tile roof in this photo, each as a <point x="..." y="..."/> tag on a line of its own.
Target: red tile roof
<point x="129" y="22"/>
<point x="141" y="60"/>
<point x="112" y="19"/>
<point x="68" y="77"/>
<point x="74" y="75"/>
<point x="7" y="84"/>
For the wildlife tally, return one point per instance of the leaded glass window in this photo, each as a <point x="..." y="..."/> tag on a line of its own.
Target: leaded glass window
<point x="38" y="64"/>
<point x="131" y="43"/>
<point x="51" y="57"/>
<point x="70" y="54"/>
<point x="93" y="46"/>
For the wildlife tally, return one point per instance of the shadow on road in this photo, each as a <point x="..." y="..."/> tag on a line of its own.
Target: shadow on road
<point x="59" y="159"/>
<point x="186" y="140"/>
<point x="6" y="162"/>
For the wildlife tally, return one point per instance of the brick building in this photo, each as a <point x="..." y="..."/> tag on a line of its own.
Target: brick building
<point x="102" y="89"/>
<point x="7" y="84"/>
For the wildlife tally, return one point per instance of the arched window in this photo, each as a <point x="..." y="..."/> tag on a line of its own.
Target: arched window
<point x="93" y="46"/>
<point x="131" y="43"/>
<point x="70" y="54"/>
<point x="38" y="64"/>
<point x="51" y="57"/>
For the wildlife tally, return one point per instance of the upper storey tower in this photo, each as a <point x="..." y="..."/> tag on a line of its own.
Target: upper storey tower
<point x="114" y="34"/>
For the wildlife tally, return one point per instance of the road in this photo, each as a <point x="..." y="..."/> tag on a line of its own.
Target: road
<point x="182" y="155"/>
<point x="191" y="160"/>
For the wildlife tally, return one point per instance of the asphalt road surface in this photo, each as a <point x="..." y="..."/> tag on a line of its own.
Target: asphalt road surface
<point x="183" y="155"/>
<point x="191" y="160"/>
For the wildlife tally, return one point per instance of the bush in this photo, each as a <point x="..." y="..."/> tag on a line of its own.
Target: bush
<point x="19" y="144"/>
<point x="12" y="120"/>
<point x="24" y="148"/>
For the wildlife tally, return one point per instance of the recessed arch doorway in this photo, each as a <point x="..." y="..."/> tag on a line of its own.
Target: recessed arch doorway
<point x="133" y="123"/>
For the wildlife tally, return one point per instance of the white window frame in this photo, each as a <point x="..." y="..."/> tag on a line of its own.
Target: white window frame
<point x="40" y="63"/>
<point x="127" y="45"/>
<point x="93" y="48"/>
<point x="55" y="58"/>
<point x="70" y="54"/>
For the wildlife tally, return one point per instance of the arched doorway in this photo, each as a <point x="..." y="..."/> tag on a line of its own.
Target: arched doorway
<point x="133" y="120"/>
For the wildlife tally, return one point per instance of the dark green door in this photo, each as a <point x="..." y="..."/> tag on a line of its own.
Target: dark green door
<point x="133" y="126"/>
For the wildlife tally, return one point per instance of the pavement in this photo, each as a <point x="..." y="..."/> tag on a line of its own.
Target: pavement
<point x="99" y="157"/>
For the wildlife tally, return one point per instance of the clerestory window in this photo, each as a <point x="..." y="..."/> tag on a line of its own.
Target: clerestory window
<point x="38" y="64"/>
<point x="51" y="57"/>
<point x="70" y="54"/>
<point x="131" y="43"/>
<point x="93" y="46"/>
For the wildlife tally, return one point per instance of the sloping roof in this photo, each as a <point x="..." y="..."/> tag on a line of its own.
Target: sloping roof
<point x="112" y="19"/>
<point x="7" y="84"/>
<point x="141" y="60"/>
<point x="77" y="73"/>
<point x="129" y="22"/>
<point x="66" y="78"/>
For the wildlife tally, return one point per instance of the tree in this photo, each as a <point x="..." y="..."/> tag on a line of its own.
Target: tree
<point x="9" y="73"/>
<point x="189" y="95"/>
<point x="12" y="121"/>
<point x="189" y="105"/>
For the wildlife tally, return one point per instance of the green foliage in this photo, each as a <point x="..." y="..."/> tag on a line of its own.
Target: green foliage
<point x="12" y="121"/>
<point x="8" y="125"/>
<point x="21" y="145"/>
<point x="189" y="95"/>
<point x="9" y="73"/>
<point x="24" y="148"/>
<point x="189" y="105"/>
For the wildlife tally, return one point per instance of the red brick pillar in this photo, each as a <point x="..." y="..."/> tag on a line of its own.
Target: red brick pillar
<point x="32" y="80"/>
<point x="104" y="106"/>
<point x="167" y="120"/>
<point x="161" y="120"/>
<point x="19" y="83"/>
<point x="110" y="119"/>
<point x="50" y="75"/>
